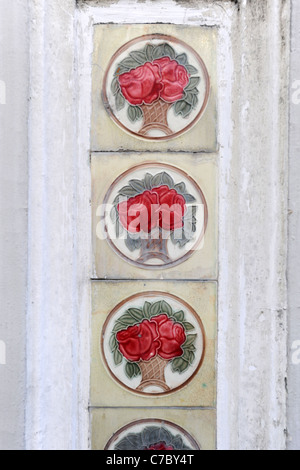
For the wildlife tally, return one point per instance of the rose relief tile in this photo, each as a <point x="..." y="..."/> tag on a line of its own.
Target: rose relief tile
<point x="153" y="343"/>
<point x="154" y="88"/>
<point x="156" y="430"/>
<point x="154" y="216"/>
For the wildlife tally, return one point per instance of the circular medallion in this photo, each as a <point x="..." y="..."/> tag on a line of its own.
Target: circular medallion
<point x="156" y="87"/>
<point x="152" y="434"/>
<point x="153" y="343"/>
<point x="155" y="216"/>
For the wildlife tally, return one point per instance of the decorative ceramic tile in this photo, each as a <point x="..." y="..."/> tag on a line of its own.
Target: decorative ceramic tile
<point x="148" y="78"/>
<point x="150" y="429"/>
<point x="151" y="86"/>
<point x="152" y="434"/>
<point x="160" y="343"/>
<point x="154" y="218"/>
<point x="153" y="343"/>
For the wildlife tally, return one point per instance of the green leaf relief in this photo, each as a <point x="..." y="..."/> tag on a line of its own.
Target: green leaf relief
<point x="159" y="51"/>
<point x="138" y="185"/>
<point x="167" y="180"/>
<point x="191" y="69"/>
<point x="114" y="214"/>
<point x="180" y="365"/>
<point x="128" y="191"/>
<point x="132" y="244"/>
<point x="147" y="310"/>
<point x="179" y="238"/>
<point x="115" y="86"/>
<point x="120" y="101"/>
<point x="188" y="326"/>
<point x="179" y="316"/>
<point x="169" y="51"/>
<point x="149" y="52"/>
<point x="113" y="343"/>
<point x="118" y="358"/>
<point x="182" y="59"/>
<point x="139" y="56"/>
<point x="129" y="63"/>
<point x="189" y="198"/>
<point x="156" y="180"/>
<point x="183" y="108"/>
<point x="190" y="340"/>
<point x="132" y="370"/>
<point x="193" y="83"/>
<point x="147" y="181"/>
<point x="136" y="313"/>
<point x="155" y="309"/>
<point x="134" y="113"/>
<point x="166" y="308"/>
<point x="128" y="320"/>
<point x="180" y="188"/>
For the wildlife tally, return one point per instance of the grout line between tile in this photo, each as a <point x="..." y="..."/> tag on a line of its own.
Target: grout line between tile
<point x="182" y="408"/>
<point x="152" y="280"/>
<point x="127" y="151"/>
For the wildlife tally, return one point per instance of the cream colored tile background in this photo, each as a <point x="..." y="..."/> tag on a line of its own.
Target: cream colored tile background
<point x="201" y="390"/>
<point x="200" y="424"/>
<point x="202" y="264"/>
<point x="105" y="134"/>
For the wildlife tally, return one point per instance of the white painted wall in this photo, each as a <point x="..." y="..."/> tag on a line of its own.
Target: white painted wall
<point x="14" y="95"/>
<point x="293" y="383"/>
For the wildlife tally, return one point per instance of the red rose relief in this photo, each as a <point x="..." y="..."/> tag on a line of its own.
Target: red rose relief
<point x="136" y="213"/>
<point x="171" y="335"/>
<point x="142" y="85"/>
<point x="163" y="78"/>
<point x="174" y="78"/>
<point x="161" y="336"/>
<point x="172" y="208"/>
<point x="160" y="446"/>
<point x="160" y="207"/>
<point x="140" y="342"/>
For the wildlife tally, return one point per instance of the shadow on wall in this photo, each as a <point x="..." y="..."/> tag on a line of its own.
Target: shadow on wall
<point x="2" y="92"/>
<point x="2" y="353"/>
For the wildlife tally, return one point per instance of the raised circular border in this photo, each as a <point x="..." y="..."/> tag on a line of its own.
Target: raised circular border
<point x="150" y="294"/>
<point x="166" y="38"/>
<point x="186" y="255"/>
<point x="150" y="421"/>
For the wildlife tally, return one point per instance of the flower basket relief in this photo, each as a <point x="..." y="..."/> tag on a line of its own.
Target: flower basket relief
<point x="154" y="211"/>
<point x="152" y="438"/>
<point x="152" y="80"/>
<point x="150" y="338"/>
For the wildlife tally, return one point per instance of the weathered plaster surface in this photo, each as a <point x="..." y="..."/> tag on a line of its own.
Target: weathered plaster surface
<point x="253" y="233"/>
<point x="56" y="413"/>
<point x="253" y="68"/>
<point x="294" y="237"/>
